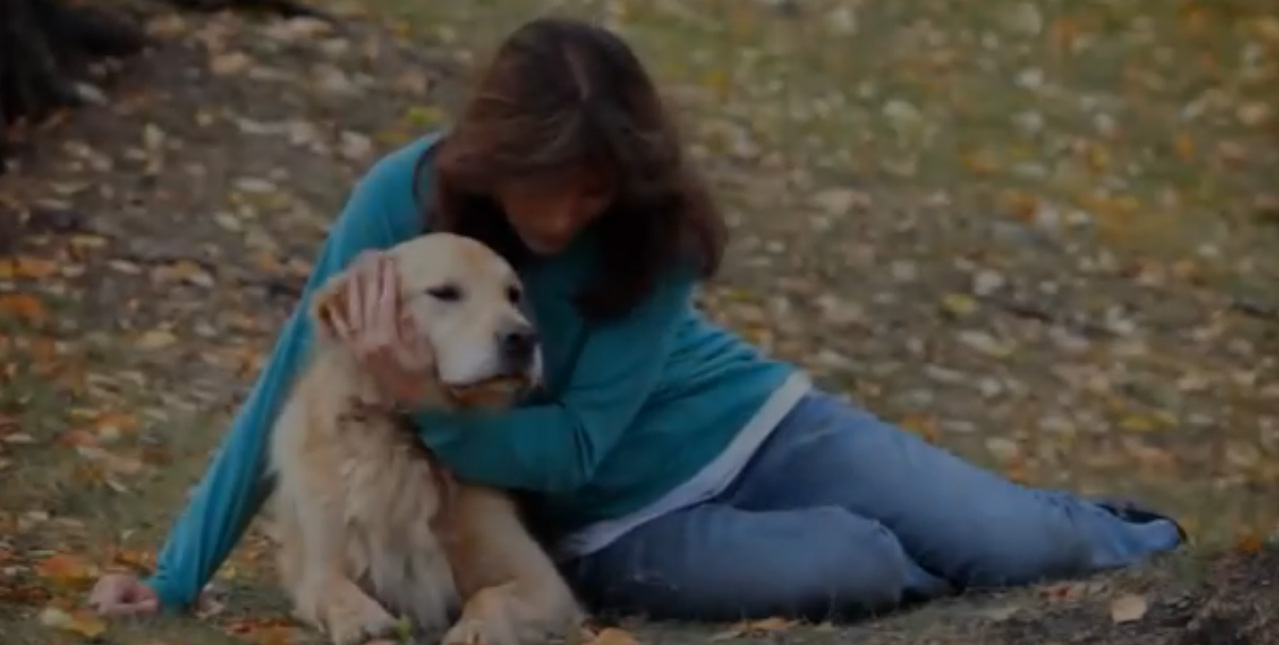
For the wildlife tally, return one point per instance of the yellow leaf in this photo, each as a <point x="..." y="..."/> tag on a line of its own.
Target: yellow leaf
<point x="923" y="426"/>
<point x="1254" y="114"/>
<point x="1137" y="423"/>
<point x="1020" y="204"/>
<point x="1250" y="543"/>
<point x="958" y="304"/>
<point x="192" y="273"/>
<point x="80" y="622"/>
<point x="1098" y="157"/>
<point x="425" y="115"/>
<point x="110" y="425"/>
<point x="67" y="570"/>
<point x="1129" y="608"/>
<point x="1268" y="29"/>
<point x="156" y="339"/>
<point x="24" y="306"/>
<point x="230" y="63"/>
<point x="1184" y="145"/>
<point x="982" y="163"/>
<point x="29" y="267"/>
<point x="274" y="635"/>
<point x="719" y="82"/>
<point x="756" y="628"/>
<point x="613" y="636"/>
<point x="86" y="241"/>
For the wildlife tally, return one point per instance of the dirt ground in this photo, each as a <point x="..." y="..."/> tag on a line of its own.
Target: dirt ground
<point x="1039" y="234"/>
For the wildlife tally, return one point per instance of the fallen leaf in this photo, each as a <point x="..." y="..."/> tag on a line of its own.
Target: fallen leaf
<point x="124" y="266"/>
<point x="231" y="63"/>
<point x="841" y="201"/>
<point x="924" y="426"/>
<point x="958" y="304"/>
<point x="984" y="343"/>
<point x="115" y="463"/>
<point x="28" y="267"/>
<point x="1020" y="204"/>
<point x="156" y="339"/>
<point x="193" y="273"/>
<point x="1250" y="543"/>
<point x="24" y="306"/>
<point x="612" y="636"/>
<point x="262" y="631"/>
<point x="425" y="115"/>
<point x="274" y="635"/>
<point x="1064" y="591"/>
<point x="79" y="622"/>
<point x="133" y="558"/>
<point x="112" y="425"/>
<point x="982" y="163"/>
<point x="1184" y="145"/>
<point x="756" y="628"/>
<point x="1254" y="114"/>
<point x="19" y="438"/>
<point x="1001" y="614"/>
<point x="1128" y="608"/>
<point x="67" y="570"/>
<point x="1268" y="29"/>
<point x="1003" y="449"/>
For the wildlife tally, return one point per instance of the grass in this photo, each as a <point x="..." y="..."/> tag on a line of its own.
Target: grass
<point x="1111" y="162"/>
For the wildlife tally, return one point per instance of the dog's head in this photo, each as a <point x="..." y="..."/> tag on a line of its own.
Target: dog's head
<point x="464" y="300"/>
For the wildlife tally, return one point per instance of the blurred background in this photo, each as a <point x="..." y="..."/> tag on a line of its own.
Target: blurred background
<point x="1041" y="234"/>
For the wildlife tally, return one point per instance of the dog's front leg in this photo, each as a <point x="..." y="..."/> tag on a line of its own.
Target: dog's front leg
<point x="326" y="590"/>
<point x="512" y="593"/>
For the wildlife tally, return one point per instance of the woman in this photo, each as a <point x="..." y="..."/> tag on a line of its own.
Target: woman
<point x="676" y="471"/>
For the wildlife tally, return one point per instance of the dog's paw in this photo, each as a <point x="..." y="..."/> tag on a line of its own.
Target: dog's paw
<point x="472" y="631"/>
<point x="352" y="617"/>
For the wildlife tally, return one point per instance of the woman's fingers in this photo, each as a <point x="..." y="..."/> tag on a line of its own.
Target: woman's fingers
<point x="337" y="320"/>
<point x="387" y="305"/>
<point x="385" y="337"/>
<point x="355" y="296"/>
<point x="373" y="301"/>
<point x="123" y="595"/>
<point x="144" y="606"/>
<point x="415" y="351"/>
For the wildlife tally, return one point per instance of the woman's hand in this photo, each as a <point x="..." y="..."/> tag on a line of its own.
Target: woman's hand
<point x="123" y="594"/>
<point x="368" y="318"/>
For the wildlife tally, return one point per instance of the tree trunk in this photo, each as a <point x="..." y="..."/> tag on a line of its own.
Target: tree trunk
<point x="45" y="46"/>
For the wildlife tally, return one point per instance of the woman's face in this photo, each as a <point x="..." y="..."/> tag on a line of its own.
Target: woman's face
<point x="548" y="214"/>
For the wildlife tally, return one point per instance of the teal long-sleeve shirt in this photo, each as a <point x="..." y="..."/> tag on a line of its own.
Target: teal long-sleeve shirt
<point x="634" y="406"/>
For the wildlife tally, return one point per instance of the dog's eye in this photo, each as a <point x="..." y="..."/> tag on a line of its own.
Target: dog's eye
<point x="513" y="294"/>
<point x="445" y="293"/>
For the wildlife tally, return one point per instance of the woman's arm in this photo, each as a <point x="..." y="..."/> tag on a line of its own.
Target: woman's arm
<point x="557" y="446"/>
<point x="234" y="488"/>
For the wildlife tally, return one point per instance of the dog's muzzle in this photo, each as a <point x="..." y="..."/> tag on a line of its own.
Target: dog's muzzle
<point x="517" y="345"/>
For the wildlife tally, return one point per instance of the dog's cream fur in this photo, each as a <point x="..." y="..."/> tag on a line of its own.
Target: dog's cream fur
<point x="366" y="525"/>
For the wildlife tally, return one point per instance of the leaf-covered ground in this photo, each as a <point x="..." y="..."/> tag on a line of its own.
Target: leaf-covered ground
<point x="1041" y="234"/>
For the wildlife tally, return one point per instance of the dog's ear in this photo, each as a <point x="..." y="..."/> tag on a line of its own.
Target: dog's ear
<point x="327" y="303"/>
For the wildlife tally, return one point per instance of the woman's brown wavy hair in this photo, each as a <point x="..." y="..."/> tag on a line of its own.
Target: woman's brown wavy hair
<point x="562" y="95"/>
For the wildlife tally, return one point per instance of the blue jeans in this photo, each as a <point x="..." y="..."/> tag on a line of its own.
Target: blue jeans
<point x="840" y="514"/>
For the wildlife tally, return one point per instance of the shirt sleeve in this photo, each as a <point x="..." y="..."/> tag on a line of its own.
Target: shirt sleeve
<point x="234" y="487"/>
<point x="556" y="446"/>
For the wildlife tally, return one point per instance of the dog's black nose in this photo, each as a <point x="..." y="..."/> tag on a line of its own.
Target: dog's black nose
<point x="518" y="344"/>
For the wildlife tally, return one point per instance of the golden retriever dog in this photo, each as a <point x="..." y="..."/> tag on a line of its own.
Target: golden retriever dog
<point x="370" y="531"/>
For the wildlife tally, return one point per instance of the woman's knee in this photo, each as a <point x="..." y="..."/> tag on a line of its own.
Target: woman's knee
<point x="810" y="563"/>
<point x="854" y="565"/>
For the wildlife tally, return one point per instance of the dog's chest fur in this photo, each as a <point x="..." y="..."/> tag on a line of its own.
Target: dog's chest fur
<point x="373" y="474"/>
